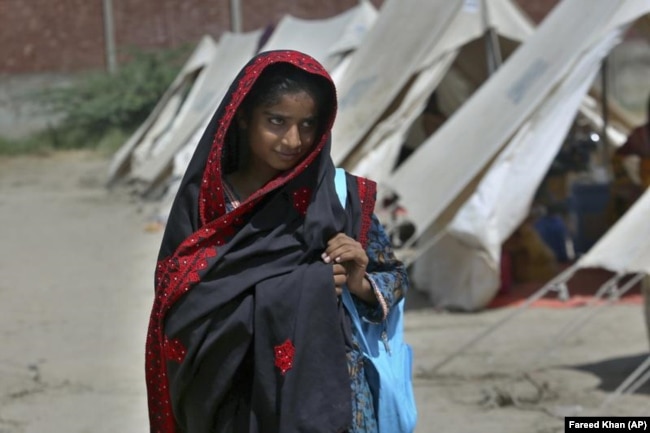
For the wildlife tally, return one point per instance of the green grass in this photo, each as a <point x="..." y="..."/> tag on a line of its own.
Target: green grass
<point x="46" y="142"/>
<point x="34" y="144"/>
<point x="100" y="110"/>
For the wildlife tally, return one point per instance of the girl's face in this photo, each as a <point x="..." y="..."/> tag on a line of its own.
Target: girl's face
<point x="280" y="135"/>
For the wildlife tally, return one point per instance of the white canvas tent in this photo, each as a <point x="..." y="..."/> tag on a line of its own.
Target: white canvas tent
<point x="234" y="50"/>
<point x="146" y="159"/>
<point x="511" y="128"/>
<point x="161" y="118"/>
<point x="624" y="250"/>
<point x="327" y="40"/>
<point x="402" y="60"/>
<point x="372" y="128"/>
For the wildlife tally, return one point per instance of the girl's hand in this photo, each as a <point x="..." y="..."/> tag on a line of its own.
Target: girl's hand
<point x="345" y="251"/>
<point x="340" y="278"/>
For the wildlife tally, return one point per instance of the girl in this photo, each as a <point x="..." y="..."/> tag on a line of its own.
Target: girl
<point x="247" y="333"/>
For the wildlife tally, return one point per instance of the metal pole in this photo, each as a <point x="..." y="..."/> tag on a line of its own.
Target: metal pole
<point x="235" y="16"/>
<point x="109" y="36"/>
<point x="604" y="139"/>
<point x="492" y="47"/>
<point x="554" y="284"/>
<point x="494" y="59"/>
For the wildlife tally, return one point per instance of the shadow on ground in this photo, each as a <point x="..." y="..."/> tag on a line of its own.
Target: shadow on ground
<point x="612" y="372"/>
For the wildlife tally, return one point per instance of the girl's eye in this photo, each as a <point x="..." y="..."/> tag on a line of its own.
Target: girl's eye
<point x="308" y="123"/>
<point x="276" y="120"/>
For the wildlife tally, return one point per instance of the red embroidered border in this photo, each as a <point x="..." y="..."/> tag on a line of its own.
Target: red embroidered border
<point x="174" y="277"/>
<point x="367" y="195"/>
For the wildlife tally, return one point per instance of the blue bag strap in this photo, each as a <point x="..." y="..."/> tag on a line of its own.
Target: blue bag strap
<point x="348" y="303"/>
<point x="341" y="186"/>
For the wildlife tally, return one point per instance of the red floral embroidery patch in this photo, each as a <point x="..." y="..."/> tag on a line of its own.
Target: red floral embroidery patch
<point x="301" y="198"/>
<point x="284" y="356"/>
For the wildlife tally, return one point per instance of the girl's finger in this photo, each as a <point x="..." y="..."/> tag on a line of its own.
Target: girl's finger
<point x="340" y="249"/>
<point x="340" y="280"/>
<point x="345" y="254"/>
<point x="339" y="239"/>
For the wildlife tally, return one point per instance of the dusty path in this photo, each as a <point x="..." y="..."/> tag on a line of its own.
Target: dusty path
<point x="76" y="271"/>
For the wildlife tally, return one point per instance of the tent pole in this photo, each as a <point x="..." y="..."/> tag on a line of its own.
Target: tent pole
<point x="235" y="16"/>
<point x="492" y="47"/>
<point x="610" y="287"/>
<point x="629" y="383"/>
<point x="551" y="285"/>
<point x="109" y="36"/>
<point x="494" y="59"/>
<point x="604" y="139"/>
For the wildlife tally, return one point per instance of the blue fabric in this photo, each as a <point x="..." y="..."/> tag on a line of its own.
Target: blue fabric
<point x="388" y="359"/>
<point x="341" y="186"/>
<point x="388" y="368"/>
<point x="555" y="234"/>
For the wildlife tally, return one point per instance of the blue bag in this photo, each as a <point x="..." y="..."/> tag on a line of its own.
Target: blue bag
<point x="388" y="359"/>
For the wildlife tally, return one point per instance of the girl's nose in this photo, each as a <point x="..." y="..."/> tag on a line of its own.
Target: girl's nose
<point x="292" y="137"/>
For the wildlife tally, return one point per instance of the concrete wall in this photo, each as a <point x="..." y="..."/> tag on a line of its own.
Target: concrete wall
<point x="20" y="113"/>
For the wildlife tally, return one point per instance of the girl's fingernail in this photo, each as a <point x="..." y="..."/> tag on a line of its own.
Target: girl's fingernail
<point x="326" y="259"/>
<point x="338" y="259"/>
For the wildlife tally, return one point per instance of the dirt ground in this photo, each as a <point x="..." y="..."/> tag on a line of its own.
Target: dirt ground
<point x="76" y="282"/>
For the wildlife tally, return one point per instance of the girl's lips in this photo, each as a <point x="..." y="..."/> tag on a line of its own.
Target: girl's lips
<point x="288" y="156"/>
